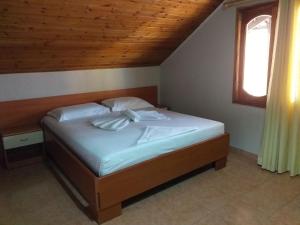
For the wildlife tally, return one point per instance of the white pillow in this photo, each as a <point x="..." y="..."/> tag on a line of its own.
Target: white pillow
<point x="78" y="111"/>
<point x="124" y="103"/>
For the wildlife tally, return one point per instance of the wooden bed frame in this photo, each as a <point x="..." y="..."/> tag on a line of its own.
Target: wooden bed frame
<point x="105" y="194"/>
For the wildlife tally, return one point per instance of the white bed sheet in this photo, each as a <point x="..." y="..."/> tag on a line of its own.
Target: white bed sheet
<point x="108" y="151"/>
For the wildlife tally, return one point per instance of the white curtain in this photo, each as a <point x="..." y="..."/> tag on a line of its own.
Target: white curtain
<point x="281" y="141"/>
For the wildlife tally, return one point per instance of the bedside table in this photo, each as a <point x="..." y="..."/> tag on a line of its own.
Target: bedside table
<point x="21" y="146"/>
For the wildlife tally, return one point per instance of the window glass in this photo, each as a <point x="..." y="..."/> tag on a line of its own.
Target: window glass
<point x="255" y="34"/>
<point x="256" y="64"/>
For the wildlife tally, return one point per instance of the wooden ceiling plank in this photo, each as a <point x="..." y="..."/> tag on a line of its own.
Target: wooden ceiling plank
<point x="55" y="35"/>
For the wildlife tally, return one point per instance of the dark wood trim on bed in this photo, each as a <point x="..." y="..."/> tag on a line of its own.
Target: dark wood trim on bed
<point x="29" y="112"/>
<point x="106" y="193"/>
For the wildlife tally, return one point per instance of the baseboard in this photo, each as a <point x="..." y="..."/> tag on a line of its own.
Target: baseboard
<point x="244" y="152"/>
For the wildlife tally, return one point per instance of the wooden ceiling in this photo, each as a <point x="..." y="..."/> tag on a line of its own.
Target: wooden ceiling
<point x="51" y="35"/>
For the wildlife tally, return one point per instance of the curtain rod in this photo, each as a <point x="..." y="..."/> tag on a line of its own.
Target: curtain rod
<point x="232" y="3"/>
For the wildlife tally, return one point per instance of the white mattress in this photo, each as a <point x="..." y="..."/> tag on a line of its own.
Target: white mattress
<point x="105" y="152"/>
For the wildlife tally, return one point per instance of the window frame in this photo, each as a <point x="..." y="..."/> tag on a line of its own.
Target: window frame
<point x="245" y="15"/>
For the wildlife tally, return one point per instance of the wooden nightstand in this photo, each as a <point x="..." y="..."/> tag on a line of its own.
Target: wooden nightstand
<point x="21" y="146"/>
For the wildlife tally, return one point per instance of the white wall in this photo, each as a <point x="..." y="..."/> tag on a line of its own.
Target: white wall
<point x="198" y="78"/>
<point x="34" y="85"/>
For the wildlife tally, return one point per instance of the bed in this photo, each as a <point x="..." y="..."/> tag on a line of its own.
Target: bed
<point x="105" y="152"/>
<point x="109" y="167"/>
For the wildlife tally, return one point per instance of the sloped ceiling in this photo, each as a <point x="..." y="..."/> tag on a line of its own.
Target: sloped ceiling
<point x="51" y="35"/>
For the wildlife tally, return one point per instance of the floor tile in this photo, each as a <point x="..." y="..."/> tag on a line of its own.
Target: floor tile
<point x="240" y="194"/>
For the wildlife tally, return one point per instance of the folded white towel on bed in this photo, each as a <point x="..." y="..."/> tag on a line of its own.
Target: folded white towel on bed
<point x="144" y="115"/>
<point x="151" y="115"/>
<point x="113" y="124"/>
<point x="154" y="133"/>
<point x="132" y="115"/>
<point x="118" y="122"/>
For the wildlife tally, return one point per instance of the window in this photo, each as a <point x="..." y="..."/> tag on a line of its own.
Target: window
<point x="254" y="47"/>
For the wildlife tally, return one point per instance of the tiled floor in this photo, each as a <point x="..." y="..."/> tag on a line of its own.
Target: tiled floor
<point x="240" y="194"/>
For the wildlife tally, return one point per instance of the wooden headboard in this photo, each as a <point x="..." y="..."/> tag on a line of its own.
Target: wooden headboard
<point x="31" y="111"/>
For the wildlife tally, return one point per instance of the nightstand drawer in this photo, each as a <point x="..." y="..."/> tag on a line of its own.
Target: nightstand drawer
<point x="20" y="140"/>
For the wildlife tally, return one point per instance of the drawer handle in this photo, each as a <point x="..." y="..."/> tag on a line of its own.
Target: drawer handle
<point x="24" y="139"/>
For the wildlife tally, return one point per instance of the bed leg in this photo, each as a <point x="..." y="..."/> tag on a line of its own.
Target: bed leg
<point x="221" y="163"/>
<point x="109" y="213"/>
